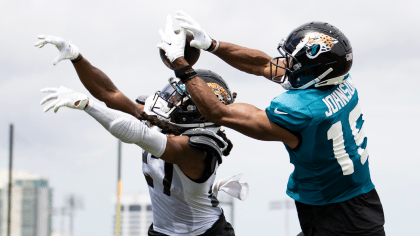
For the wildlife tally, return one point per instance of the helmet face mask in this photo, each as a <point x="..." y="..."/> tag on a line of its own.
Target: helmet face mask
<point x="166" y="102"/>
<point x="292" y="65"/>
<point x="312" y="53"/>
<point x="174" y="105"/>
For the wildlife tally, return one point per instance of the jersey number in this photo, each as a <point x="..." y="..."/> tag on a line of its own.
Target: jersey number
<point x="167" y="179"/>
<point x="335" y="133"/>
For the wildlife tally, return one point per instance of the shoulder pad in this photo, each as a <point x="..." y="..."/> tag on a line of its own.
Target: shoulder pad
<point x="207" y="139"/>
<point x="207" y="133"/>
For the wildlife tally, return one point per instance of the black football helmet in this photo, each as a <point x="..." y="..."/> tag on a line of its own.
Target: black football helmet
<point x="174" y="105"/>
<point x="316" y="54"/>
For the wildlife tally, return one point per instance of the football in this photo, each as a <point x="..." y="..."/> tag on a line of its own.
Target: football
<point x="191" y="54"/>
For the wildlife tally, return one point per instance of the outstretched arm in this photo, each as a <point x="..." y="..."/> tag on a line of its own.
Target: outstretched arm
<point x="242" y="117"/>
<point x="128" y="129"/>
<point x="251" y="61"/>
<point x="103" y="89"/>
<point x="245" y="59"/>
<point x="95" y="81"/>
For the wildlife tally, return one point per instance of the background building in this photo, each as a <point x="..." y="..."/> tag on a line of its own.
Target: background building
<point x="136" y="213"/>
<point x="31" y="204"/>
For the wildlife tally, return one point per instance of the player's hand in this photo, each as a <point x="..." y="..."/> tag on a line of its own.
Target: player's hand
<point x="173" y="44"/>
<point x="67" y="50"/>
<point x="201" y="39"/>
<point x="64" y="97"/>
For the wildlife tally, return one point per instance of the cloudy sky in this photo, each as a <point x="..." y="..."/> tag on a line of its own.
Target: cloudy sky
<point x="79" y="156"/>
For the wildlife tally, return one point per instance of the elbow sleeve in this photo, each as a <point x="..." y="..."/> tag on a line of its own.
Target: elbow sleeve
<point x="128" y="129"/>
<point x="131" y="130"/>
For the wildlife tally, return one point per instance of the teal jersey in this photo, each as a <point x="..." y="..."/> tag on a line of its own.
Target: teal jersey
<point x="331" y="162"/>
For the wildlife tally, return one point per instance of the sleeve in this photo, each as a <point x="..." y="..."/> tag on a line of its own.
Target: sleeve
<point x="289" y="112"/>
<point x="128" y="129"/>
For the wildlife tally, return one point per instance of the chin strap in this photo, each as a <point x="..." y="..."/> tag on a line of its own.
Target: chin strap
<point x="315" y="81"/>
<point x="333" y="81"/>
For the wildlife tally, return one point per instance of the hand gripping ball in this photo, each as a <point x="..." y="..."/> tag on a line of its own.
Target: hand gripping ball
<point x="191" y="54"/>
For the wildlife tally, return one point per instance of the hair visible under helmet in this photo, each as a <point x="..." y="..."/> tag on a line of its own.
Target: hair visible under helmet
<point x="316" y="54"/>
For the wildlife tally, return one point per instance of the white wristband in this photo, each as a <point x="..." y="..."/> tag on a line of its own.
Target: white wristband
<point x="217" y="46"/>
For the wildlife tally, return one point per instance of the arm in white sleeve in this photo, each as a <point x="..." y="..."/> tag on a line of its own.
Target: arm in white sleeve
<point x="128" y="129"/>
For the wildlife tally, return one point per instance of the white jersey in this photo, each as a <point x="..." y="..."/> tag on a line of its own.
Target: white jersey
<point x="181" y="206"/>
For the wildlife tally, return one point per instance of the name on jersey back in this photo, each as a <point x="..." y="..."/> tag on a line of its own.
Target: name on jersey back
<point x="339" y="97"/>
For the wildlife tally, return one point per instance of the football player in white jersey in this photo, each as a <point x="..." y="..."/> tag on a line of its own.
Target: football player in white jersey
<point x="182" y="150"/>
<point x="319" y="120"/>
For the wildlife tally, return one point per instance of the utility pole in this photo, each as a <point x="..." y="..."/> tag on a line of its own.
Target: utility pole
<point x="286" y="216"/>
<point x="119" y="193"/>
<point x="63" y="212"/>
<point x="71" y="203"/>
<point x="9" y="207"/>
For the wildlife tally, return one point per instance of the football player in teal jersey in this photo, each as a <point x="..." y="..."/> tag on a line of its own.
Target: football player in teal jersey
<point x="318" y="118"/>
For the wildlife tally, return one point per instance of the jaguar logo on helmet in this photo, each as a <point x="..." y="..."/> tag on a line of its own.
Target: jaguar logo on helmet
<point x="306" y="66"/>
<point x="220" y="92"/>
<point x="318" y="43"/>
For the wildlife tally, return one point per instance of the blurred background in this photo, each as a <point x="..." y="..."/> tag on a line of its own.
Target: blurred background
<point x="66" y="163"/>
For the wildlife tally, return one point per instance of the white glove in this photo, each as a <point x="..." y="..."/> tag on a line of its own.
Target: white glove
<point x="201" y="39"/>
<point x="173" y="44"/>
<point x="65" y="97"/>
<point x="67" y="50"/>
